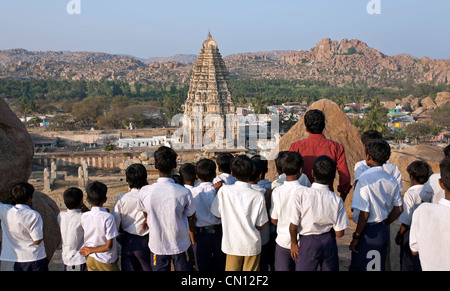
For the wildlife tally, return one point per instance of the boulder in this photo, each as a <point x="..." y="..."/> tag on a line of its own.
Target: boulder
<point x="442" y="99"/>
<point x="415" y="104"/>
<point x="338" y="128"/>
<point x="428" y="103"/>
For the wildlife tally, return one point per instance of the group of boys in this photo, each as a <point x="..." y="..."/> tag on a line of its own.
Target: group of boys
<point x="240" y="221"/>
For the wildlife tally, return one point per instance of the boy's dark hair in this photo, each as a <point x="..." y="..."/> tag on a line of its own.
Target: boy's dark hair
<point x="73" y="197"/>
<point x="206" y="170"/>
<point x="444" y="166"/>
<point x="96" y="193"/>
<point x="315" y="121"/>
<point x="277" y="162"/>
<point x="256" y="172"/>
<point x="22" y="192"/>
<point x="242" y="168"/>
<point x="223" y="161"/>
<point x="165" y="160"/>
<point x="447" y="151"/>
<point x="370" y="134"/>
<point x="420" y="171"/>
<point x="291" y="163"/>
<point x="187" y="172"/>
<point x="136" y="175"/>
<point x="379" y="150"/>
<point x="264" y="164"/>
<point x="324" y="170"/>
<point x="178" y="179"/>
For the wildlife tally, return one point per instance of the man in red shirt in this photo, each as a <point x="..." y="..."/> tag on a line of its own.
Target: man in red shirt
<point x="316" y="145"/>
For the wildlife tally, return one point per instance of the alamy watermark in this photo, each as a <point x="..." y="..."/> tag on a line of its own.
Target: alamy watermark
<point x="373" y="7"/>
<point x="73" y="7"/>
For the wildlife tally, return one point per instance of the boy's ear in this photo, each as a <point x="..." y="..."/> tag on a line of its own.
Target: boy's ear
<point x="442" y="185"/>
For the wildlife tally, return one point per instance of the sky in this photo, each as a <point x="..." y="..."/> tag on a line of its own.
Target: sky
<point x="148" y="28"/>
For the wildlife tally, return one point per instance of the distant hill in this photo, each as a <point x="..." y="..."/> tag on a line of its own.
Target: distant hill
<point x="340" y="63"/>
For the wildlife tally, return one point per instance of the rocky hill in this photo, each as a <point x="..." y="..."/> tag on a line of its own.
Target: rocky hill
<point x="340" y="63"/>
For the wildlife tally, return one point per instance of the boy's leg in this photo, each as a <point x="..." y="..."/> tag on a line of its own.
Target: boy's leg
<point x="307" y="254"/>
<point x="40" y="265"/>
<point x="329" y="251"/>
<point x="219" y="256"/>
<point x="251" y="263"/>
<point x="135" y="253"/>
<point x="161" y="262"/>
<point x="184" y="261"/>
<point x="283" y="259"/>
<point x="234" y="263"/>
<point x="203" y="250"/>
<point x="94" y="265"/>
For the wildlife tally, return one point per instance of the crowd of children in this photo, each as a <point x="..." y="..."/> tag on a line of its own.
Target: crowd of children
<point x="240" y="221"/>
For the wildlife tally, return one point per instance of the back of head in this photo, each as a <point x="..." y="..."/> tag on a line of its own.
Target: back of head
<point x="206" y="170"/>
<point x="264" y="163"/>
<point x="178" y="179"/>
<point x="242" y="168"/>
<point x="136" y="175"/>
<point x="22" y="192"/>
<point x="188" y="172"/>
<point x="324" y="170"/>
<point x="291" y="163"/>
<point x="315" y="121"/>
<point x="256" y="172"/>
<point x="165" y="160"/>
<point x="96" y="193"/>
<point x="445" y="172"/>
<point x="278" y="162"/>
<point x="379" y="150"/>
<point x="420" y="171"/>
<point x="223" y="161"/>
<point x="447" y="151"/>
<point x="370" y="134"/>
<point x="73" y="197"/>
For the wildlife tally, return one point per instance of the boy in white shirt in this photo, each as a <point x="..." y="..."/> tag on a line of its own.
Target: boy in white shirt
<point x="100" y="231"/>
<point x="72" y="233"/>
<point x="290" y="163"/>
<point x="418" y="171"/>
<point x="376" y="204"/>
<point x="303" y="179"/>
<point x="319" y="216"/>
<point x="170" y="216"/>
<point x="22" y="231"/>
<point x="135" y="254"/>
<point x="243" y="214"/>
<point x="187" y="172"/>
<point x="362" y="166"/>
<point x="223" y="162"/>
<point x="208" y="228"/>
<point x="430" y="230"/>
<point x="432" y="191"/>
<point x="263" y="182"/>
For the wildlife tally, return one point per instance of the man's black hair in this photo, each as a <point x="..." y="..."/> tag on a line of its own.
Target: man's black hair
<point x="96" y="193"/>
<point x="314" y="121"/>
<point x="256" y="172"/>
<point x="370" y="134"/>
<point x="73" y="197"/>
<point x="187" y="172"/>
<point x="241" y="168"/>
<point x="136" y="175"/>
<point x="206" y="170"/>
<point x="22" y="192"/>
<point x="223" y="161"/>
<point x="324" y="169"/>
<point x="264" y="164"/>
<point x="165" y="160"/>
<point x="419" y="170"/>
<point x="291" y="163"/>
<point x="379" y="150"/>
<point x="277" y="162"/>
<point x="444" y="166"/>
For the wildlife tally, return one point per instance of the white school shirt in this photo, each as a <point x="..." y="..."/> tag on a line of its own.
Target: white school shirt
<point x="168" y="206"/>
<point x="21" y="225"/>
<point x="388" y="167"/>
<point x="376" y="192"/>
<point x="282" y="178"/>
<point x="265" y="184"/>
<point x="317" y="210"/>
<point x="241" y="209"/>
<point x="282" y="198"/>
<point x="430" y="235"/>
<point x="265" y="232"/>
<point x="100" y="226"/>
<point x="204" y="195"/>
<point x="432" y="191"/>
<point x="411" y="200"/>
<point x="226" y="178"/>
<point x="72" y="235"/>
<point x="128" y="215"/>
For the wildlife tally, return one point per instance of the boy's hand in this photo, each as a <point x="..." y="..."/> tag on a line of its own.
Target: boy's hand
<point x="353" y="245"/>
<point x="294" y="251"/>
<point x="85" y="251"/>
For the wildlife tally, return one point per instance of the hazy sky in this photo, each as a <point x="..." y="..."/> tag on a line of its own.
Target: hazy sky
<point x="147" y="28"/>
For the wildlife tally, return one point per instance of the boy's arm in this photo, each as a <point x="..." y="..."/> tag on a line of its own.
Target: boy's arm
<point x="191" y="220"/>
<point x="394" y="214"/>
<point x="362" y="222"/>
<point x="294" y="243"/>
<point x="86" y="251"/>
